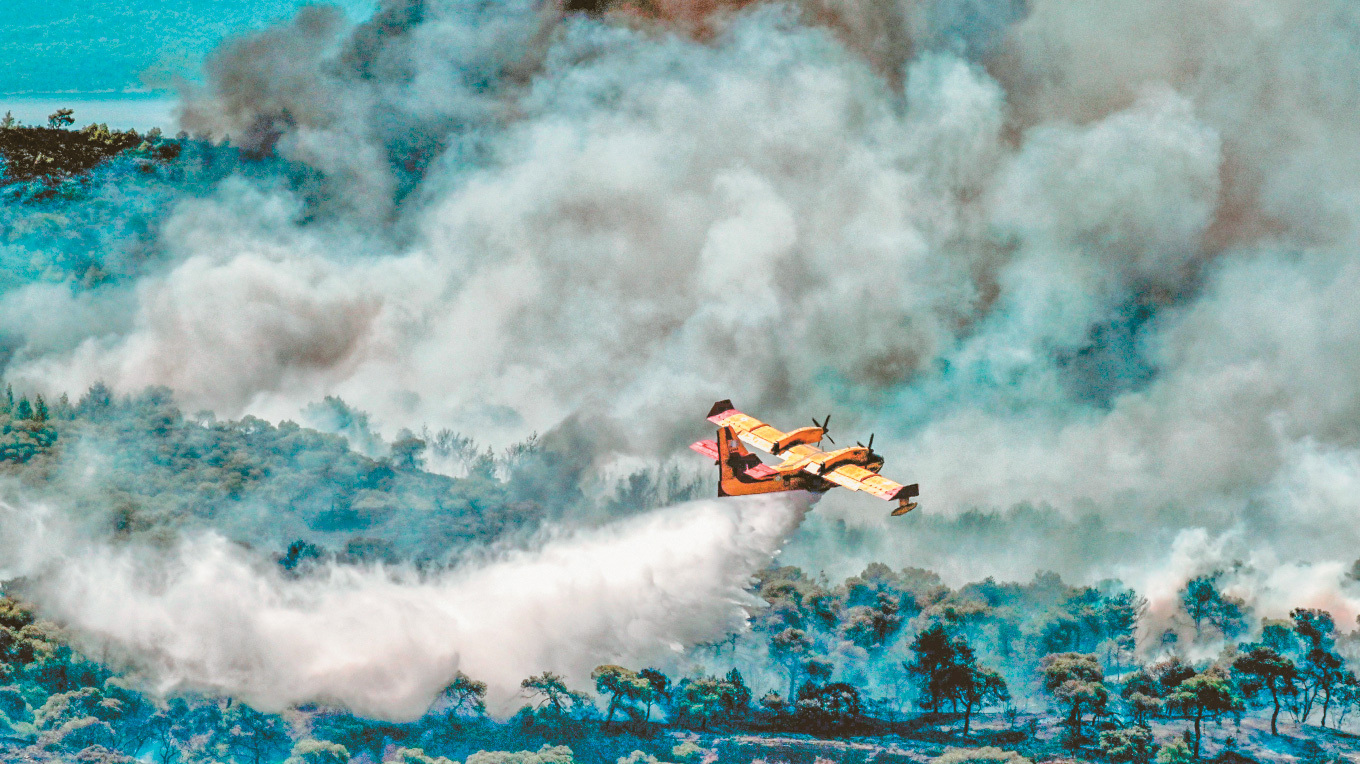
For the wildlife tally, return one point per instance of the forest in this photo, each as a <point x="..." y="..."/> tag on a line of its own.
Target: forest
<point x="886" y="665"/>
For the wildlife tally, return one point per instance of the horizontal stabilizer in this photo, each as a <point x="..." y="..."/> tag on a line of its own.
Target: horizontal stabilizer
<point x="708" y="448"/>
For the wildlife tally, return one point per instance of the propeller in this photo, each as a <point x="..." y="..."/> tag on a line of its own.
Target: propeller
<point x="823" y="425"/>
<point x="871" y="443"/>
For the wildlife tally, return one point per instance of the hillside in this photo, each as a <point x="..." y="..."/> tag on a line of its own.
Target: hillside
<point x="888" y="665"/>
<point x="30" y="153"/>
<point x="141" y="467"/>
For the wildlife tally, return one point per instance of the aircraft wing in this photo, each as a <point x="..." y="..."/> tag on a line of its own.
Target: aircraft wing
<point x="805" y="458"/>
<point x="748" y="429"/>
<point x="857" y="478"/>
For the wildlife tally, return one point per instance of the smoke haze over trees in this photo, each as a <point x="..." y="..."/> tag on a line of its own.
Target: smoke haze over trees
<point x="417" y="316"/>
<point x="171" y="510"/>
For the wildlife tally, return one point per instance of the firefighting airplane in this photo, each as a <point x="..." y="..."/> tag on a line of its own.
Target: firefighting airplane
<point x="805" y="467"/>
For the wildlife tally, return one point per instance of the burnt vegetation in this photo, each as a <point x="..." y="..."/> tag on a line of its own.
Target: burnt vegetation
<point x="54" y="152"/>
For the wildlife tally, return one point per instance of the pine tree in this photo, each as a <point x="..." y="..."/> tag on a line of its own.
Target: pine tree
<point x="1206" y="695"/>
<point x="60" y="118"/>
<point x="1269" y="670"/>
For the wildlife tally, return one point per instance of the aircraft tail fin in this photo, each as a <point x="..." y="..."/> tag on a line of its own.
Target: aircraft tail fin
<point x="721" y="407"/>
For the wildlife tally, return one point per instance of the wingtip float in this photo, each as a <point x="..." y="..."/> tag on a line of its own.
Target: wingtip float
<point x="806" y="467"/>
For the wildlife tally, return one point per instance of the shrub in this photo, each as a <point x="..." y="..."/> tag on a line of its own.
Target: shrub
<point x="311" y="751"/>
<point x="548" y="754"/>
<point x="1175" y="752"/>
<point x="686" y="751"/>
<point x="984" y="755"/>
<point x="413" y="756"/>
<point x="1133" y="745"/>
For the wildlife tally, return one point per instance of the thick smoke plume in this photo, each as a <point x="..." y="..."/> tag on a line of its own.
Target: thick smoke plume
<point x="1087" y="268"/>
<point x="205" y="614"/>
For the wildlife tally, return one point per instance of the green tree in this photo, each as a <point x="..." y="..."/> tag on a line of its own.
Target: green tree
<point x="465" y="695"/>
<point x="60" y="118"/>
<point x="625" y="688"/>
<point x="1170" y="673"/>
<point x="832" y="709"/>
<point x="661" y="689"/>
<point x="704" y="700"/>
<point x="405" y="755"/>
<point x="253" y="737"/>
<point x="1204" y="602"/>
<point x="1321" y="669"/>
<point x="978" y="687"/>
<point x="99" y="133"/>
<point x="1267" y="669"/>
<point x="790" y="648"/>
<point x="552" y="695"/>
<point x="63" y="408"/>
<point x="1347" y="696"/>
<point x="160" y="728"/>
<point x="1117" y="620"/>
<point x="698" y="701"/>
<point x="1141" y="696"/>
<point x="1207" y="695"/>
<point x="734" y="697"/>
<point x="947" y="671"/>
<point x="80" y="718"/>
<point x="872" y="626"/>
<point x="1076" y="683"/>
<point x="408" y="451"/>
<point x="933" y="654"/>
<point x="7" y="122"/>
<point x="134" y="724"/>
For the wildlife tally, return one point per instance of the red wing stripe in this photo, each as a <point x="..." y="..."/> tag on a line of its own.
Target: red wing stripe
<point x="708" y="448"/>
<point x="720" y="419"/>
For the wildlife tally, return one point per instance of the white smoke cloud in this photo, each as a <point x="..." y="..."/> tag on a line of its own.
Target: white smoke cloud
<point x="207" y="615"/>
<point x="754" y="202"/>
